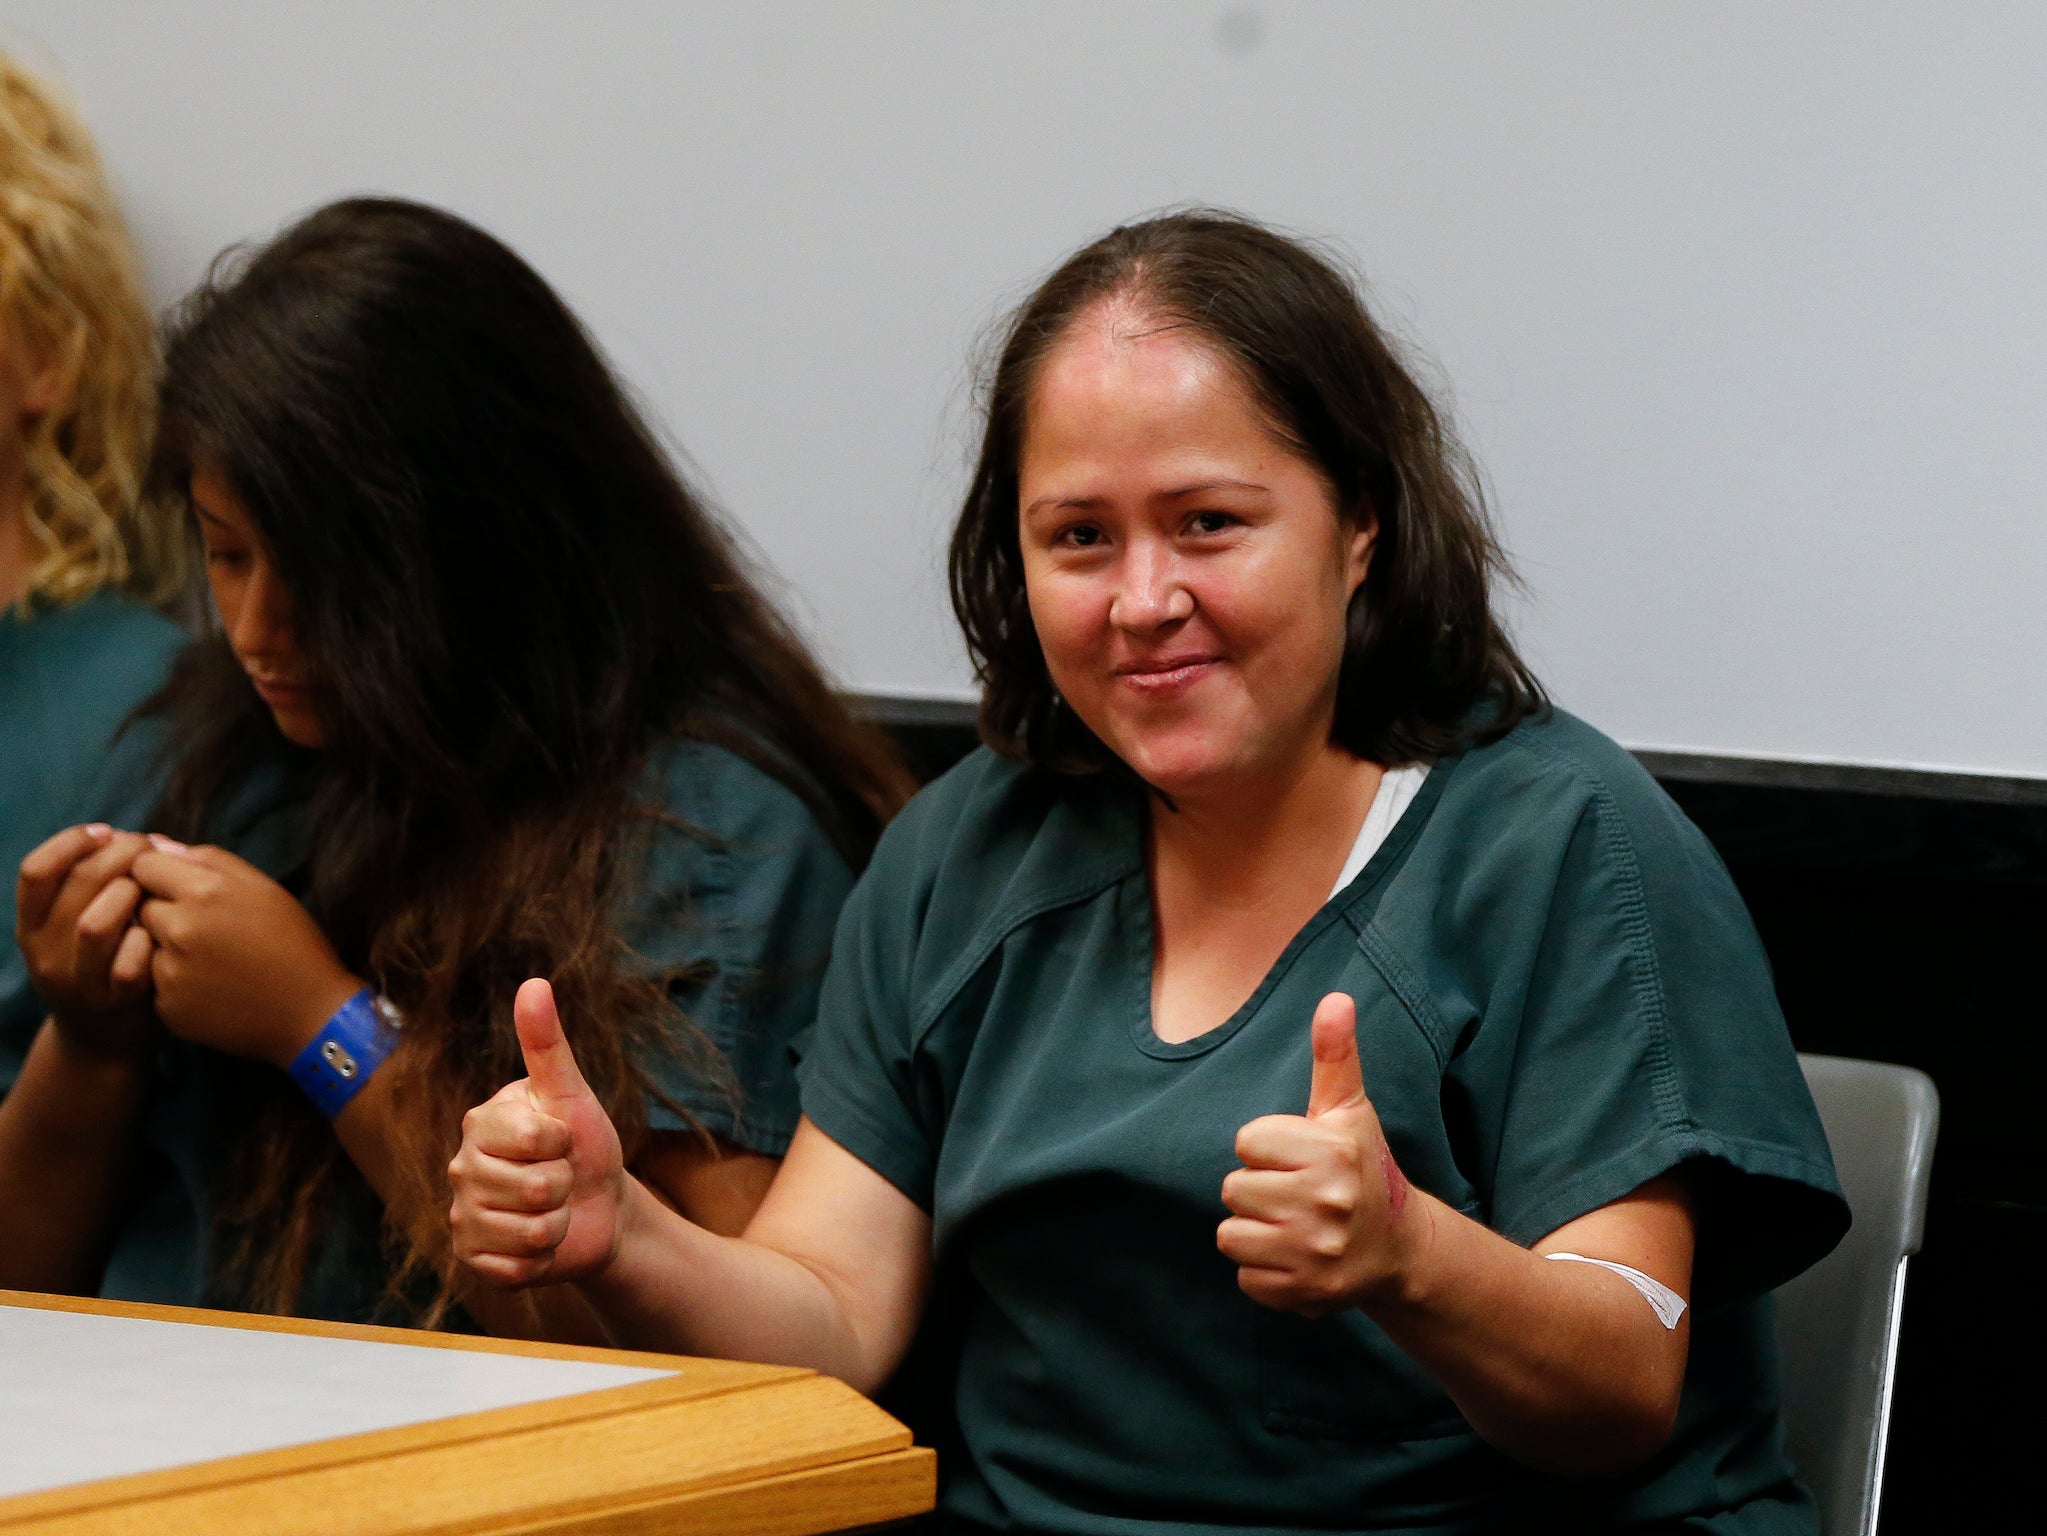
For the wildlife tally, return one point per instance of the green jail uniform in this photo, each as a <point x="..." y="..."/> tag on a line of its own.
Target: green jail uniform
<point x="1559" y="997"/>
<point x="754" y="889"/>
<point x="68" y="679"/>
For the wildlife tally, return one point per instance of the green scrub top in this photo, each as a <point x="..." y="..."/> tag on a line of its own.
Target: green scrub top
<point x="1559" y="997"/>
<point x="68" y="679"/>
<point x="749" y="883"/>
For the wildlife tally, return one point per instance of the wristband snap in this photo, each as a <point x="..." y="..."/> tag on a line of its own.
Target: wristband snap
<point x="351" y="1045"/>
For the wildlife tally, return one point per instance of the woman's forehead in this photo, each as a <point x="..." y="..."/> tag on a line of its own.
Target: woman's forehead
<point x="1101" y="379"/>
<point x="1108" y="356"/>
<point x="1113" y="398"/>
<point x="215" y="501"/>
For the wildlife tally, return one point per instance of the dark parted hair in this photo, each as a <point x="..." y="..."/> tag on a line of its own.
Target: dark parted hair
<point x="510" y="600"/>
<point x="1427" y="667"/>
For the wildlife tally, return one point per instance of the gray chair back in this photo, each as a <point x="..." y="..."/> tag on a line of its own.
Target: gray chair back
<point x="1838" y="1322"/>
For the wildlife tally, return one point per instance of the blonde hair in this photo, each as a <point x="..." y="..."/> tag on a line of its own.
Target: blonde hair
<point x="70" y="299"/>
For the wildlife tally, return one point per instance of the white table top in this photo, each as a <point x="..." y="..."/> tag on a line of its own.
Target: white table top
<point x="85" y="1396"/>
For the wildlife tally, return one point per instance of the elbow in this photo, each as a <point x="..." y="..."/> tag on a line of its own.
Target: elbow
<point x="1602" y="1429"/>
<point x="1612" y="1440"/>
<point x="864" y="1379"/>
<point x="856" y="1361"/>
<point x="1624" y="1446"/>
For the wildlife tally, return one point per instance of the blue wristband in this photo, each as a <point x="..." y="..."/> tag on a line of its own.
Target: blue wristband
<point x="349" y="1047"/>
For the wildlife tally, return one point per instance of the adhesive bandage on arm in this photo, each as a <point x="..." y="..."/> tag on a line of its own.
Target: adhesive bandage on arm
<point x="1668" y="1305"/>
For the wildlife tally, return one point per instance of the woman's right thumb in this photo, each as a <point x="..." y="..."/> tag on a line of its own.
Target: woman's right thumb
<point x="551" y="1068"/>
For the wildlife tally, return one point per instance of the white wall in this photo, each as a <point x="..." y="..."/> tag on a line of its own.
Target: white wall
<point x="1740" y="304"/>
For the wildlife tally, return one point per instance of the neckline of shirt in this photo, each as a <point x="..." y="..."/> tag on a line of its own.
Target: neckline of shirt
<point x="1396" y="792"/>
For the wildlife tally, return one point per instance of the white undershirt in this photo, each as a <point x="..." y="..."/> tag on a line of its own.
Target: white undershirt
<point x="1397" y="788"/>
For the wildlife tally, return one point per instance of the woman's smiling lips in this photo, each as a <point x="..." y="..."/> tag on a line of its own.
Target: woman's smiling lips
<point x="1158" y="675"/>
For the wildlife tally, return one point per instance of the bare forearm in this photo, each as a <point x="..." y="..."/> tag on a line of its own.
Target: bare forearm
<point x="830" y="1273"/>
<point x="676" y="1287"/>
<point x="67" y="1138"/>
<point x="1563" y="1366"/>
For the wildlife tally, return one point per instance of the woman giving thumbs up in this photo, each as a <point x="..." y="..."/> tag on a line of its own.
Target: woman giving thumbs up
<point x="1220" y="1060"/>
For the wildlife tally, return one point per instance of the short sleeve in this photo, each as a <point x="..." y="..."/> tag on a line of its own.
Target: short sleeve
<point x="1647" y="1036"/>
<point x="742" y="892"/>
<point x="864" y="1083"/>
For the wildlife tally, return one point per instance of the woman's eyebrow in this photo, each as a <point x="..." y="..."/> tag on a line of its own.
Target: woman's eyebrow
<point x="214" y="518"/>
<point x="1204" y="486"/>
<point x="1063" y="503"/>
<point x="1178" y="492"/>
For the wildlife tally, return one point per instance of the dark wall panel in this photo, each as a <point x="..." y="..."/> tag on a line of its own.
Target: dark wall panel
<point x="1911" y="929"/>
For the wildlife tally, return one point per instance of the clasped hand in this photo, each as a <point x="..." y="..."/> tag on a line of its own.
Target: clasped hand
<point x="1321" y="1215"/>
<point x="116" y="925"/>
<point x="74" y="910"/>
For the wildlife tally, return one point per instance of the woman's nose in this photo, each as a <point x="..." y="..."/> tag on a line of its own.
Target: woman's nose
<point x="262" y="627"/>
<point x="1153" y="591"/>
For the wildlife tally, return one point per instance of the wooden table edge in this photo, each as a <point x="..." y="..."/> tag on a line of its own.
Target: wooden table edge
<point x="712" y="1511"/>
<point x="685" y="1382"/>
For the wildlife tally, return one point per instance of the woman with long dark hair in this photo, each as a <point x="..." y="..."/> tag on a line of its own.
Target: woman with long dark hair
<point x="1296" y="1078"/>
<point x="493" y="695"/>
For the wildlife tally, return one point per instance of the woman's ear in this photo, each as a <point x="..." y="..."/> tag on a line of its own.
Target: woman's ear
<point x="1362" y="536"/>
